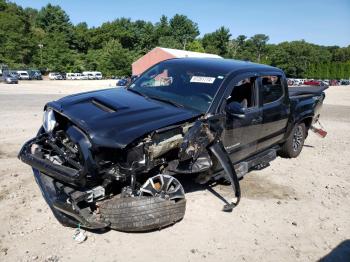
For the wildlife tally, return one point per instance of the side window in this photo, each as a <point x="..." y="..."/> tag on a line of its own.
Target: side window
<point x="272" y="88"/>
<point x="244" y="92"/>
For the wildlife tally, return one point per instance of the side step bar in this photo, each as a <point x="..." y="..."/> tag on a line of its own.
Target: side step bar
<point x="256" y="162"/>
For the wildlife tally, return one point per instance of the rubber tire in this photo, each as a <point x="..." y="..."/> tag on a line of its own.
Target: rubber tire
<point x="287" y="150"/>
<point x="138" y="214"/>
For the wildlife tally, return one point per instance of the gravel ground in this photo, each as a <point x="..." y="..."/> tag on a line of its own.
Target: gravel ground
<point x="294" y="210"/>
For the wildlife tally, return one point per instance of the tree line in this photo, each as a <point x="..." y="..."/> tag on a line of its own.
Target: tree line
<point x="47" y="39"/>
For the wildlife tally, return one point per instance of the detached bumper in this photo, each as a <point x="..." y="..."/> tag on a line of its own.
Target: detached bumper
<point x="59" y="172"/>
<point x="49" y="176"/>
<point x="63" y="211"/>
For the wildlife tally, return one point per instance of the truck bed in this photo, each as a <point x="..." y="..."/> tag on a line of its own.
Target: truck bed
<point x="306" y="90"/>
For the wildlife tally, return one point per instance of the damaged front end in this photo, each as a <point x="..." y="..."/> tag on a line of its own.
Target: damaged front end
<point x="76" y="177"/>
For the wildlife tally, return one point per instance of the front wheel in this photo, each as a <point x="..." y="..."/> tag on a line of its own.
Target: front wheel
<point x="295" y="142"/>
<point x="161" y="203"/>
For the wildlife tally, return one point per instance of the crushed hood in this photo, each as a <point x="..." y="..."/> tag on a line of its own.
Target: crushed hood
<point x="116" y="117"/>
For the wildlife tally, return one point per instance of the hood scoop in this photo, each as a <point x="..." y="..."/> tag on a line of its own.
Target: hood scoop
<point x="103" y="106"/>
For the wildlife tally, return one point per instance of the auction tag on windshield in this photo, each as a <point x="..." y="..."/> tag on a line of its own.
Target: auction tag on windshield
<point x="202" y="79"/>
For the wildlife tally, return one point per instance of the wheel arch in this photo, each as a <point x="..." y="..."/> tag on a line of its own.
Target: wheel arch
<point x="307" y="121"/>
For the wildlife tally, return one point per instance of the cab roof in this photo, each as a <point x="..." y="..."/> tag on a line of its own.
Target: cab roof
<point x="226" y="66"/>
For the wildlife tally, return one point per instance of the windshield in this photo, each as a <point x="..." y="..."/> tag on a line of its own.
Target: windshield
<point x="192" y="86"/>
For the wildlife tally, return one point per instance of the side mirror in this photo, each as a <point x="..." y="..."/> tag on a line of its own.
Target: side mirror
<point x="235" y="109"/>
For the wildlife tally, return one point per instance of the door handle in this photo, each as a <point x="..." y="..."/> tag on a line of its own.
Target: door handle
<point x="257" y="120"/>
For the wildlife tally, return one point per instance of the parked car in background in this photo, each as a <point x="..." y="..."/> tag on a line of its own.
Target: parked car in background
<point x="89" y="75"/>
<point x="9" y="78"/>
<point x="80" y="76"/>
<point x="333" y="82"/>
<point x="122" y="82"/>
<point x="63" y="74"/>
<point x="133" y="78"/>
<point x="76" y="76"/>
<point x="312" y="83"/>
<point x="98" y="75"/>
<point x="35" y="75"/>
<point x="13" y="73"/>
<point x="3" y="68"/>
<point x="290" y="82"/>
<point x="70" y="76"/>
<point x="299" y="82"/>
<point x="93" y="75"/>
<point x="344" y="82"/>
<point x="23" y="75"/>
<point x="326" y="81"/>
<point x="55" y="76"/>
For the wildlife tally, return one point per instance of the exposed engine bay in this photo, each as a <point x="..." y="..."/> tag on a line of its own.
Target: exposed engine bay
<point x="85" y="176"/>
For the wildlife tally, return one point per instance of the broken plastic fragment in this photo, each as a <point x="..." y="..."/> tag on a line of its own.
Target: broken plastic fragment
<point x="79" y="235"/>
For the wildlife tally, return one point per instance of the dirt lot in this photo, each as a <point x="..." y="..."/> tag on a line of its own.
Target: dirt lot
<point x="295" y="210"/>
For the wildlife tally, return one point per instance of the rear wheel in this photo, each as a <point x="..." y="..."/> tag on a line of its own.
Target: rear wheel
<point x="295" y="142"/>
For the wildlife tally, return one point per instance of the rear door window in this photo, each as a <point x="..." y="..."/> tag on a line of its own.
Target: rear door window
<point x="272" y="89"/>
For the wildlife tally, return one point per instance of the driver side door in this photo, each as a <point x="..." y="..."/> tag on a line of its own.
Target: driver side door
<point x="241" y="133"/>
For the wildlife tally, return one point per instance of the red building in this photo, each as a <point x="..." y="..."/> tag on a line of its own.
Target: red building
<point x="160" y="54"/>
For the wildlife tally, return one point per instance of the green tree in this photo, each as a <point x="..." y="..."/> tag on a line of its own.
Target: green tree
<point x="295" y="57"/>
<point x="53" y="19"/>
<point x="15" y="35"/>
<point x="115" y="60"/>
<point x="81" y="39"/>
<point x="57" y="56"/>
<point x="169" y="42"/>
<point x="162" y="28"/>
<point x="183" y="29"/>
<point x="196" y="46"/>
<point x="259" y="42"/>
<point x="145" y="36"/>
<point x="217" y="42"/>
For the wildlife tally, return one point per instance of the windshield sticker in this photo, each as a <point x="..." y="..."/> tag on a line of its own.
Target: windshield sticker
<point x="202" y="79"/>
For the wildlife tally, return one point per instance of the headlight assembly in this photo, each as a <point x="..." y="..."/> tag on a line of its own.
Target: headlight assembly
<point x="49" y="121"/>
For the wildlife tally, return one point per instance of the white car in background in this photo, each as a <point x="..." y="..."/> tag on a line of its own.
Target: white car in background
<point x="89" y="75"/>
<point x="93" y="75"/>
<point x="55" y="76"/>
<point x="80" y="76"/>
<point x="23" y="75"/>
<point x="98" y="75"/>
<point x="70" y="76"/>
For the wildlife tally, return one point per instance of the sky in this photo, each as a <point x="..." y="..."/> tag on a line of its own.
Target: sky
<point x="324" y="22"/>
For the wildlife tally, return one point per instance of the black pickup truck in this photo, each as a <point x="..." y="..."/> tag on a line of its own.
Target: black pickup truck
<point x="114" y="157"/>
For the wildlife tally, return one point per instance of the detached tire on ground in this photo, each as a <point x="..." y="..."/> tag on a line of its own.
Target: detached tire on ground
<point x="137" y="214"/>
<point x="295" y="142"/>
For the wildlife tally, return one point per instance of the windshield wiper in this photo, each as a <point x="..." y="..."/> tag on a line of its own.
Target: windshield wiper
<point x="136" y="92"/>
<point x="166" y="101"/>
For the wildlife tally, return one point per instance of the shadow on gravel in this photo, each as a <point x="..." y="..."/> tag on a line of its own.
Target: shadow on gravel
<point x="309" y="146"/>
<point x="256" y="186"/>
<point x="253" y="186"/>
